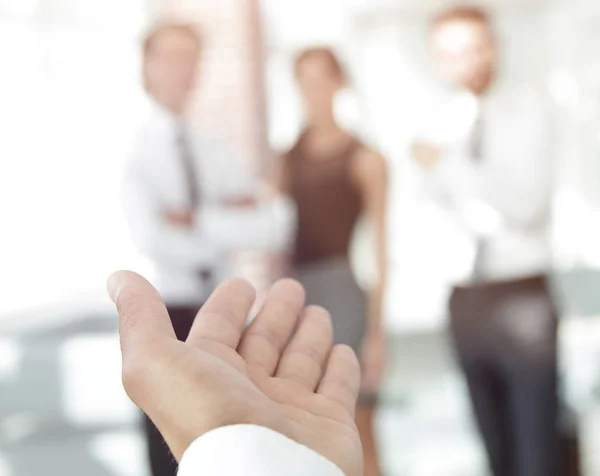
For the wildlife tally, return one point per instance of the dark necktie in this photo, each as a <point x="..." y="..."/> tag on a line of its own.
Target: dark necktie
<point x="477" y="138"/>
<point x="189" y="168"/>
<point x="477" y="155"/>
<point x="194" y="193"/>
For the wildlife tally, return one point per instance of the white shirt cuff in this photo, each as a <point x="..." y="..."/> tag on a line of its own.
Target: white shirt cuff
<point x="252" y="451"/>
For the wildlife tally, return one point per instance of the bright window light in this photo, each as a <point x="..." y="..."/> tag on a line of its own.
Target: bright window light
<point x="19" y="7"/>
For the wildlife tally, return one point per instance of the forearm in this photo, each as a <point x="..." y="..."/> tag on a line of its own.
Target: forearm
<point x="463" y="189"/>
<point x="159" y="239"/>
<point x="375" y="310"/>
<point x="376" y="298"/>
<point x="374" y="179"/>
<point x="519" y="188"/>
<point x="265" y="227"/>
<point x="175" y="245"/>
<point x="525" y="203"/>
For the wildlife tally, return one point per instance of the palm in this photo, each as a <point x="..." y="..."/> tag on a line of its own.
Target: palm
<point x="298" y="386"/>
<point x="291" y="408"/>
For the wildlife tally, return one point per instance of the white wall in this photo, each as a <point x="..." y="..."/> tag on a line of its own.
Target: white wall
<point x="71" y="103"/>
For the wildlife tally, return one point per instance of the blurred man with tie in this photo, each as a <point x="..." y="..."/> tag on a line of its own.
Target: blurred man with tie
<point x="188" y="202"/>
<point x="484" y="157"/>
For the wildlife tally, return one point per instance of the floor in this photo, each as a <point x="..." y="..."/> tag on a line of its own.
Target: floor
<point x="63" y="411"/>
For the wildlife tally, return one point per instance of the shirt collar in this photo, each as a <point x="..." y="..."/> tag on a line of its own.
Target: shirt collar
<point x="164" y="118"/>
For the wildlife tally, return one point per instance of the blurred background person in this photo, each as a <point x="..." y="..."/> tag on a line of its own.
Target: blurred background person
<point x="485" y="156"/>
<point x="334" y="179"/>
<point x="188" y="202"/>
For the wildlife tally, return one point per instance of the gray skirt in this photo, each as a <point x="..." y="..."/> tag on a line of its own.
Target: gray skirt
<point x="331" y="284"/>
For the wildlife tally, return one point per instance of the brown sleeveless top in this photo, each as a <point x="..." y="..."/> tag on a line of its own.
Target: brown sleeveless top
<point x="329" y="203"/>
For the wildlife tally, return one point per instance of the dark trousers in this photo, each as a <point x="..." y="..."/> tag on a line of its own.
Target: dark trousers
<point x="162" y="461"/>
<point x="506" y="340"/>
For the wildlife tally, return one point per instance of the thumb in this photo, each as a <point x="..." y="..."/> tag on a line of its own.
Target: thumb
<point x="143" y="316"/>
<point x="142" y="311"/>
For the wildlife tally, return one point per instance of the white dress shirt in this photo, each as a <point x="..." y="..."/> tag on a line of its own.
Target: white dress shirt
<point x="155" y="184"/>
<point x="504" y="199"/>
<point x="252" y="451"/>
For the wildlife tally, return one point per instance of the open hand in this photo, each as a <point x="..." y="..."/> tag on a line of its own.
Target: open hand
<point x="224" y="375"/>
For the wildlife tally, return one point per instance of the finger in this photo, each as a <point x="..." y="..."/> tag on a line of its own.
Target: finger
<point x="305" y="356"/>
<point x="264" y="340"/>
<point x="224" y="315"/>
<point x="341" y="382"/>
<point x="142" y="312"/>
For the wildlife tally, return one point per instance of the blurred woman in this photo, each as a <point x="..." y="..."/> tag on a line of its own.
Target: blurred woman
<point x="334" y="180"/>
